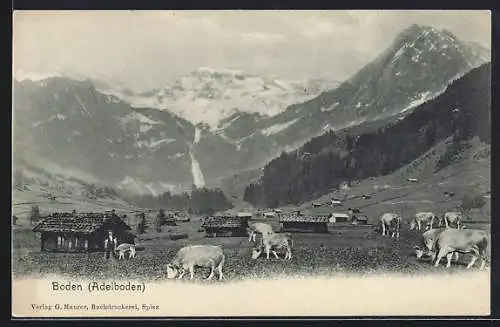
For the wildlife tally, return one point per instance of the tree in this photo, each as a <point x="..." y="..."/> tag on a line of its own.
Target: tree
<point x="35" y="214"/>
<point x="159" y="220"/>
<point x="141" y="227"/>
<point x="472" y="200"/>
<point x="18" y="176"/>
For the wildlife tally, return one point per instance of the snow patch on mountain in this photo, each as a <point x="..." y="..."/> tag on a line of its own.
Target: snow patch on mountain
<point x="58" y="117"/>
<point x="36" y="124"/>
<point x="278" y="127"/>
<point x="153" y="144"/>
<point x="209" y="95"/>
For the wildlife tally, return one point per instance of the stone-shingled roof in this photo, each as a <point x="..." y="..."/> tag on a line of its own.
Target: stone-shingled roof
<point x="86" y="223"/>
<point x="304" y="219"/>
<point x="227" y="222"/>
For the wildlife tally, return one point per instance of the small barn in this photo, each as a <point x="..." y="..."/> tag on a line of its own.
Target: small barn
<point x="345" y="185"/>
<point x="338" y="217"/>
<point x="225" y="226"/>
<point x="71" y="232"/>
<point x="244" y="215"/>
<point x="359" y="220"/>
<point x="304" y="224"/>
<point x="181" y="217"/>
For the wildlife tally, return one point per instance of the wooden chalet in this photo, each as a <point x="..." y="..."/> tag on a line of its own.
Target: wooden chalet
<point x="359" y="220"/>
<point x="304" y="224"/>
<point x="225" y="226"/>
<point x="338" y="217"/>
<point x="248" y="215"/>
<point x="71" y="232"/>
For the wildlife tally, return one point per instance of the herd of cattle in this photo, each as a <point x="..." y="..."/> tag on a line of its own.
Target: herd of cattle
<point x="444" y="236"/>
<point x="448" y="239"/>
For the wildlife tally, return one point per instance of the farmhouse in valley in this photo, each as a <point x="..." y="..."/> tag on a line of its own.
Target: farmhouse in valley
<point x="304" y="224"/>
<point x="337" y="217"/>
<point x="248" y="215"/>
<point x="359" y="220"/>
<point x="225" y="226"/>
<point x="71" y="232"/>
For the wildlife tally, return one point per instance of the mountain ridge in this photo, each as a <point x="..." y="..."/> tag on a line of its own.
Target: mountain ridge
<point x="151" y="150"/>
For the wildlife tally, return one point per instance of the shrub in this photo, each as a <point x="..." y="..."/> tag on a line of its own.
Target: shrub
<point x="472" y="200"/>
<point x="178" y="236"/>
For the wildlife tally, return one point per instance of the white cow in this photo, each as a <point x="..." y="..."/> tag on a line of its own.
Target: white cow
<point x="464" y="241"/>
<point x="191" y="256"/>
<point x="421" y="218"/>
<point x="273" y="242"/>
<point x="453" y="219"/>
<point x="123" y="248"/>
<point x="428" y="244"/>
<point x="258" y="228"/>
<point x="390" y="222"/>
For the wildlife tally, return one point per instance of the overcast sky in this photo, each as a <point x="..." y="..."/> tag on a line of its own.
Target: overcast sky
<point x="149" y="49"/>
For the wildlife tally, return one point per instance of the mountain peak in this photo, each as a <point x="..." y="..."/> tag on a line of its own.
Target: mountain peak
<point x="217" y="72"/>
<point x="416" y="31"/>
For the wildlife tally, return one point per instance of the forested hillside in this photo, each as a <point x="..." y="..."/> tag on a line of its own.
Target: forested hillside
<point x="462" y="111"/>
<point x="199" y="201"/>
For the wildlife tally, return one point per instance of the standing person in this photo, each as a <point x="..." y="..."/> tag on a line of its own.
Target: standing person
<point x="109" y="245"/>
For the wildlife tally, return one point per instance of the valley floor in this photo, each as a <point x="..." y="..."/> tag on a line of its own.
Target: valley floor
<point x="345" y="249"/>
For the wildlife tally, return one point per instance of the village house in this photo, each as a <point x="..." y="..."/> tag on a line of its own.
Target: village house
<point x="244" y="215"/>
<point x="225" y="226"/>
<point x="359" y="220"/>
<point x="71" y="232"/>
<point x="304" y="224"/>
<point x="337" y="217"/>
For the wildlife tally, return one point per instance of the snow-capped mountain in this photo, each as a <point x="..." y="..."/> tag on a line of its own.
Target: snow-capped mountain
<point x="418" y="65"/>
<point x="209" y="96"/>
<point x="214" y="123"/>
<point x="70" y="123"/>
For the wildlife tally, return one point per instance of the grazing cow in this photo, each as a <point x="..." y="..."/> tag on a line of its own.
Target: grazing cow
<point x="123" y="248"/>
<point x="428" y="244"/>
<point x="273" y="242"/>
<point x="422" y="218"/>
<point x="453" y="219"/>
<point x="463" y="241"/>
<point x="258" y="228"/>
<point x="191" y="256"/>
<point x="390" y="222"/>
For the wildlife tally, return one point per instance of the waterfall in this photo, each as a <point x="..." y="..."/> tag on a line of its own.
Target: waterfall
<point x="198" y="178"/>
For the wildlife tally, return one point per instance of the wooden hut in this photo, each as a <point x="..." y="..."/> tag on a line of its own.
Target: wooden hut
<point x="338" y="217"/>
<point x="225" y="226"/>
<point x="248" y="215"/>
<point x="359" y="219"/>
<point x="70" y="232"/>
<point x="304" y="224"/>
